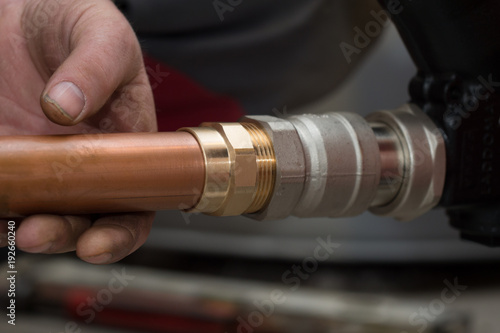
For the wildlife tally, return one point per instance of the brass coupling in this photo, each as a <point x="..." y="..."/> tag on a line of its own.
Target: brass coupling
<point x="240" y="168"/>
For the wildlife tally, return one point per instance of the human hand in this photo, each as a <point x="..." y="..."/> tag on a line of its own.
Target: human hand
<point x="84" y="60"/>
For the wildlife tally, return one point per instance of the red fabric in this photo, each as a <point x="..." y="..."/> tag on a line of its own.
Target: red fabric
<point x="111" y="316"/>
<point x="182" y="102"/>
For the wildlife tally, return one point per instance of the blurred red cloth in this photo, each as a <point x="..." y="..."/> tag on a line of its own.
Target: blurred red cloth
<point x="111" y="315"/>
<point x="181" y="102"/>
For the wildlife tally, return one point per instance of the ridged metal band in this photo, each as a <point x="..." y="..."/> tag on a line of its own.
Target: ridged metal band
<point x="266" y="167"/>
<point x="288" y="183"/>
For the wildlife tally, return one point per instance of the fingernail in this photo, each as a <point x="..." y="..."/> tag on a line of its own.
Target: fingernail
<point x="100" y="259"/>
<point x="39" y="249"/>
<point x="67" y="98"/>
<point x="3" y="240"/>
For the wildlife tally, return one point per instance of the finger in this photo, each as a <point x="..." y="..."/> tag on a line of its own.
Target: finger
<point x="129" y="109"/>
<point x="100" y="54"/>
<point x="113" y="237"/>
<point x="50" y="233"/>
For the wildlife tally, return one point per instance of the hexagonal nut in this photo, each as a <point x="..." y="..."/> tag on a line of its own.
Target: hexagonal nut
<point x="243" y="172"/>
<point x="290" y="167"/>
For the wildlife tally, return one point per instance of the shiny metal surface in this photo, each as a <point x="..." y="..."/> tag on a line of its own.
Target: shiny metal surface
<point x="242" y="169"/>
<point x="217" y="168"/>
<point x="266" y="166"/>
<point x="424" y="162"/>
<point x="290" y="167"/>
<point x="391" y="163"/>
<point x="84" y="174"/>
<point x="342" y="164"/>
<point x="240" y="166"/>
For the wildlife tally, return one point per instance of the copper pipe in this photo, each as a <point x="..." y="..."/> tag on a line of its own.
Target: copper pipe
<point x="84" y="174"/>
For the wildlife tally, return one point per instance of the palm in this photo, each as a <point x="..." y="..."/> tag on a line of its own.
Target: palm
<point x="91" y="45"/>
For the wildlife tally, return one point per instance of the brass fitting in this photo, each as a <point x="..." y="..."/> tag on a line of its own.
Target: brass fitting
<point x="240" y="168"/>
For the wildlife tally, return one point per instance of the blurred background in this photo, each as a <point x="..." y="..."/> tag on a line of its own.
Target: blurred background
<point x="205" y="274"/>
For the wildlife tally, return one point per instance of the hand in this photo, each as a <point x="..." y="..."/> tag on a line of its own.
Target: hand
<point x="84" y="60"/>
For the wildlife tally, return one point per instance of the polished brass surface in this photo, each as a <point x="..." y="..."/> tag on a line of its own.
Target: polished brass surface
<point x="217" y="165"/>
<point x="266" y="167"/>
<point x="241" y="168"/>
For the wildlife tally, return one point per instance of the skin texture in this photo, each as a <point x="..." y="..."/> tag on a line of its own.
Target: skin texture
<point x="91" y="45"/>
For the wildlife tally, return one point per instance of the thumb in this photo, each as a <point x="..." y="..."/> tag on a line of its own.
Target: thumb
<point x="96" y="52"/>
